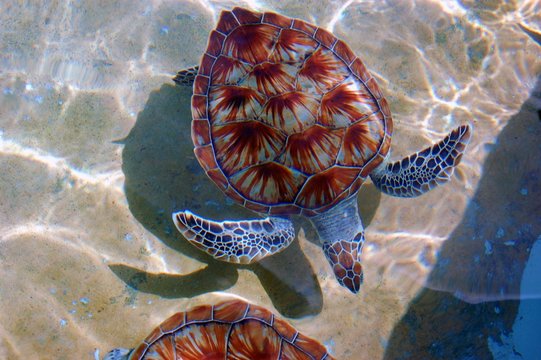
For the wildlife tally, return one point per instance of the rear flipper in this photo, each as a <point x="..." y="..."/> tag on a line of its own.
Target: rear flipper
<point x="186" y="77"/>
<point x="241" y="242"/>
<point x="420" y="172"/>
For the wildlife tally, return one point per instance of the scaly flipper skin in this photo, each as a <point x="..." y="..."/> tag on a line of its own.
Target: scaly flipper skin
<point x="117" y="354"/>
<point x="186" y="77"/>
<point x="241" y="242"/>
<point x="420" y="172"/>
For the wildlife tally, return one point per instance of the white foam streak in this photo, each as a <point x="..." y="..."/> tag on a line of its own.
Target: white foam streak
<point x="338" y="15"/>
<point x="54" y="234"/>
<point x="453" y="8"/>
<point x="207" y="5"/>
<point x="6" y="337"/>
<point x="406" y="235"/>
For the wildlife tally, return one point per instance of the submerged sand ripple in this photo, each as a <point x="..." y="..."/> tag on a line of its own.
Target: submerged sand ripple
<point x="78" y="199"/>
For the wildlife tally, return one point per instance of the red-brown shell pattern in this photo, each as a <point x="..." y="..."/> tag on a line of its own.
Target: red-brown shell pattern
<point x="232" y="330"/>
<point x="286" y="119"/>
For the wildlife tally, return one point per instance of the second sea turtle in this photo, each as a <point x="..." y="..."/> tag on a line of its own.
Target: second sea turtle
<point x="229" y="330"/>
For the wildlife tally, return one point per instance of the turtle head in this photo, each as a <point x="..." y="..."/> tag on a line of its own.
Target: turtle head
<point x="345" y="259"/>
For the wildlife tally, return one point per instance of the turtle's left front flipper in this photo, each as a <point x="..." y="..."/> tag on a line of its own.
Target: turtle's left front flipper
<point x="241" y="242"/>
<point x="186" y="77"/>
<point x="424" y="170"/>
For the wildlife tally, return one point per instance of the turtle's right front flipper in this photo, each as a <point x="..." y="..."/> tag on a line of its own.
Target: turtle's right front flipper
<point x="420" y="172"/>
<point x="241" y="242"/>
<point x="186" y="77"/>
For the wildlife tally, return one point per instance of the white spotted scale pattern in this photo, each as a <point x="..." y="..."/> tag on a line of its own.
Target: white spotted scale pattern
<point x="420" y="172"/>
<point x="240" y="242"/>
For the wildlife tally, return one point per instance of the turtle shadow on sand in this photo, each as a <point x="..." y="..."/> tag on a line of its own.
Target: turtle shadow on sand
<point x="162" y="176"/>
<point x="474" y="289"/>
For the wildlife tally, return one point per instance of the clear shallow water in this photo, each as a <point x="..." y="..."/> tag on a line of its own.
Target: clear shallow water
<point x="95" y="153"/>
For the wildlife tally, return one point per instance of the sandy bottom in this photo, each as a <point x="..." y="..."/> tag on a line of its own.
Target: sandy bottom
<point x="95" y="154"/>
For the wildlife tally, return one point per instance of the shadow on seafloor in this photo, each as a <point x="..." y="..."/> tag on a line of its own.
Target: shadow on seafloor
<point x="473" y="291"/>
<point x="163" y="176"/>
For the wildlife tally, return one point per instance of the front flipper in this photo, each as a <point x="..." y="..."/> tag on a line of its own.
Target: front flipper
<point x="186" y="77"/>
<point x="420" y="172"/>
<point x="241" y="242"/>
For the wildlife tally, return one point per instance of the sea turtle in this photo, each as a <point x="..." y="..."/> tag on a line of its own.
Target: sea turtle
<point x="287" y="120"/>
<point x="230" y="330"/>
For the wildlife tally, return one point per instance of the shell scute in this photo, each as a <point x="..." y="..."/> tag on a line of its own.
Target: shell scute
<point x="206" y="64"/>
<point x="227" y="22"/>
<point x="262" y="209"/>
<point x="201" y="85"/>
<point x="374" y="88"/>
<point x="358" y="68"/>
<point x="200" y="132"/>
<point x="293" y="46"/>
<point x="172" y="323"/>
<point x="206" y="158"/>
<point x="372" y="164"/>
<point x="291" y="112"/>
<point x="362" y="140"/>
<point x="310" y="346"/>
<point x="228" y="71"/>
<point x="290" y="352"/>
<point x="234" y="194"/>
<point x="341" y="197"/>
<point x="356" y="185"/>
<point x="201" y="341"/>
<point x="323" y="188"/>
<point x="272" y="78"/>
<point x="268" y="183"/>
<point x="305" y="27"/>
<point x="199" y="313"/>
<point x="322" y="70"/>
<point x="245" y="143"/>
<point x="245" y="16"/>
<point x="139" y="352"/>
<point x="216" y="40"/>
<point x="284" y="329"/>
<point x="252" y="340"/>
<point x="260" y="313"/>
<point x="385" y="109"/>
<point x="344" y="52"/>
<point x="285" y="210"/>
<point x="346" y="103"/>
<point x="163" y="349"/>
<point x="199" y="107"/>
<point x="251" y="43"/>
<point x="218" y="177"/>
<point x="231" y="103"/>
<point x="154" y="335"/>
<point x="230" y="311"/>
<point x="325" y="38"/>
<point x="312" y="150"/>
<point x="276" y="19"/>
